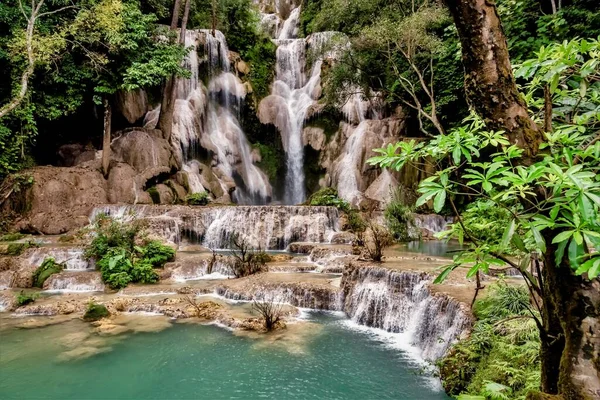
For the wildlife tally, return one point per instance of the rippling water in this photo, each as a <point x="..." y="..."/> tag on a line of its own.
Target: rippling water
<point x="323" y="358"/>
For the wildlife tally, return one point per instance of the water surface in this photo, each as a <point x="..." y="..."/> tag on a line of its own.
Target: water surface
<point x="324" y="359"/>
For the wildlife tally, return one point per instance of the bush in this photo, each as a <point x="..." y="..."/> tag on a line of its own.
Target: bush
<point x="328" y="197"/>
<point x="16" y="249"/>
<point x="398" y="219"/>
<point x="109" y="233"/>
<point x="197" y="199"/>
<point x="156" y="253"/>
<point x="11" y="237"/>
<point x="26" y="298"/>
<point x="49" y="267"/>
<point x="120" y="261"/>
<point x="95" y="312"/>
<point x="502" y="353"/>
<point x="246" y="260"/>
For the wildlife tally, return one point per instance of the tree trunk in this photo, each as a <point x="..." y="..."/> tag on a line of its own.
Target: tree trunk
<point x="489" y="80"/>
<point x="167" y="105"/>
<point x="571" y="304"/>
<point x="576" y="302"/>
<point x="106" y="137"/>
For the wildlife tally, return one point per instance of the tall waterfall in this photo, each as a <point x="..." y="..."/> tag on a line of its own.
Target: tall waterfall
<point x="206" y="120"/>
<point x="292" y="95"/>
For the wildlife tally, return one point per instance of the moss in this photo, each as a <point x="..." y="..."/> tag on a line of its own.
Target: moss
<point x="272" y="162"/>
<point x="154" y="195"/>
<point x="49" y="267"/>
<point x="95" y="312"/>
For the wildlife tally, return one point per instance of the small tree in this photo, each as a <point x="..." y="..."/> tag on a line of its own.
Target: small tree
<point x="378" y="238"/>
<point x="247" y="260"/>
<point x="270" y="310"/>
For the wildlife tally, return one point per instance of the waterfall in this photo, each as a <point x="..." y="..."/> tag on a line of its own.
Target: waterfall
<point x="265" y="227"/>
<point x="400" y="302"/>
<point x="73" y="258"/>
<point x="74" y="282"/>
<point x="292" y="95"/>
<point x="207" y="118"/>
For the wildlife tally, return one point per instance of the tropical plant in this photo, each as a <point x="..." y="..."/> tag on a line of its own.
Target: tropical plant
<point x="552" y="200"/>
<point x="399" y="218"/>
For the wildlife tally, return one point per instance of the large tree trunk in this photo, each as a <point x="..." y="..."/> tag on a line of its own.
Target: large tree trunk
<point x="167" y="105"/>
<point x="570" y="350"/>
<point x="576" y="302"/>
<point x="106" y="137"/>
<point x="489" y="80"/>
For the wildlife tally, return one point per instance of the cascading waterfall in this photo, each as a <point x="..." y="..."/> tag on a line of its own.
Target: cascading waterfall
<point x="292" y="95"/>
<point x="72" y="258"/>
<point x="400" y="302"/>
<point x="74" y="282"/>
<point x="265" y="227"/>
<point x="207" y="117"/>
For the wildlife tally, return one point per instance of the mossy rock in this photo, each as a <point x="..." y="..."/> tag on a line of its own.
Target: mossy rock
<point x="49" y="267"/>
<point x="95" y="312"/>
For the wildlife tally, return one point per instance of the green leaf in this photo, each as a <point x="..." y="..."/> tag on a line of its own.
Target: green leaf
<point x="575" y="251"/>
<point x="438" y="202"/>
<point x="508" y="233"/>
<point x="518" y="242"/>
<point x="560" y="252"/>
<point x="444" y="274"/>
<point x="539" y="240"/>
<point x="473" y="270"/>
<point x="561" y="237"/>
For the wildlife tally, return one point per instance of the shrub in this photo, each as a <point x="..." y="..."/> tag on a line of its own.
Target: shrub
<point x="378" y="239"/>
<point x="120" y="261"/>
<point x="270" y="310"/>
<point x="197" y="199"/>
<point x="143" y="272"/>
<point x="15" y="249"/>
<point x="110" y="233"/>
<point x="398" y="219"/>
<point x="328" y="197"/>
<point x="95" y="312"/>
<point x="49" y="267"/>
<point x="26" y="298"/>
<point x="156" y="253"/>
<point x="11" y="237"/>
<point x="502" y="353"/>
<point x="246" y="260"/>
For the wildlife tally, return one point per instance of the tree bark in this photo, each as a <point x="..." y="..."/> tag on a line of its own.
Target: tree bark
<point x="571" y="304"/>
<point x="167" y="105"/>
<point x="106" y="138"/>
<point x="489" y="81"/>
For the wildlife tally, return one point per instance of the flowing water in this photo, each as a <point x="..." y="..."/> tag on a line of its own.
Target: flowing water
<point x="326" y="359"/>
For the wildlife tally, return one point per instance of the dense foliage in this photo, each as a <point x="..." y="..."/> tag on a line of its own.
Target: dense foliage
<point x="393" y="42"/>
<point x="500" y="359"/>
<point x="568" y="171"/>
<point x="120" y="260"/>
<point x="197" y="199"/>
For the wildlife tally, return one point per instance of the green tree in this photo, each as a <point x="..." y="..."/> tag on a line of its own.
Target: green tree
<point x="550" y="189"/>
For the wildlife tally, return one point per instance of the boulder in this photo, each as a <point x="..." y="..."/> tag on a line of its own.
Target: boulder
<point x="314" y="137"/>
<point x="122" y="184"/>
<point x="61" y="199"/>
<point x="143" y="149"/>
<point x="132" y="104"/>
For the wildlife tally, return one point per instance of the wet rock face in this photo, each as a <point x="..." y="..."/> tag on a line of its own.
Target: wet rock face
<point x="346" y="154"/>
<point x="144" y="150"/>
